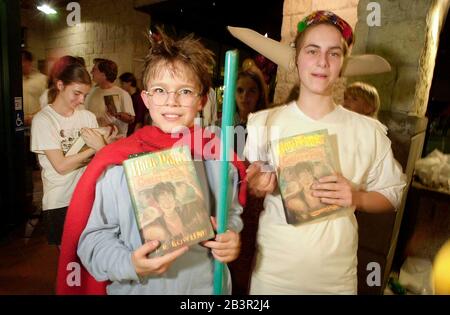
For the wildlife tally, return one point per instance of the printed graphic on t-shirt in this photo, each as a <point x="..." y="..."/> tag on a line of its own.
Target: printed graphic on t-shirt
<point x="111" y="102"/>
<point x="68" y="138"/>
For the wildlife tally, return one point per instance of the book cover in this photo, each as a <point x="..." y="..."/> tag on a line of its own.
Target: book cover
<point x="167" y="199"/>
<point x="111" y="102"/>
<point x="79" y="145"/>
<point x="301" y="160"/>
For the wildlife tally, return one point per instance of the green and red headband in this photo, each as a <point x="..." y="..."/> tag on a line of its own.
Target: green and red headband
<point x="327" y="17"/>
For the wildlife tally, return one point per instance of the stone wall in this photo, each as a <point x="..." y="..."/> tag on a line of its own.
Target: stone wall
<point x="408" y="38"/>
<point x="108" y="29"/>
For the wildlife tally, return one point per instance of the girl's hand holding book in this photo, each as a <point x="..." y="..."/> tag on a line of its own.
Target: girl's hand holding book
<point x="260" y="183"/>
<point x="145" y="266"/>
<point x="334" y="190"/>
<point x="93" y="139"/>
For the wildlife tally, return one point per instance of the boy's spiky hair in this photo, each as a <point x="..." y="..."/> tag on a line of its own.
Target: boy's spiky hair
<point x="165" y="51"/>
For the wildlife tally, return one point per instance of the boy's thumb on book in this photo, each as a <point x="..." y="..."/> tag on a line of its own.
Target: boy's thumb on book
<point x="152" y="245"/>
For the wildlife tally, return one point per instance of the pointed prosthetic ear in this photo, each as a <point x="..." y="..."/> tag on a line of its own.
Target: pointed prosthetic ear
<point x="365" y="64"/>
<point x="284" y="55"/>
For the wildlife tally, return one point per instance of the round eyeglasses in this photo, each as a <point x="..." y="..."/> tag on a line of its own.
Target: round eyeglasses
<point x="184" y="97"/>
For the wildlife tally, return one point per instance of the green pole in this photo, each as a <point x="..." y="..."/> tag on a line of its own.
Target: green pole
<point x="231" y="66"/>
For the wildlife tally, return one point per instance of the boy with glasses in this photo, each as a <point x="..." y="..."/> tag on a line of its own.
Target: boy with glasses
<point x="101" y="225"/>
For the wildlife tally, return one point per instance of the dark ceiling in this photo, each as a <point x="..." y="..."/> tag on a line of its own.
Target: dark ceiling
<point x="209" y="18"/>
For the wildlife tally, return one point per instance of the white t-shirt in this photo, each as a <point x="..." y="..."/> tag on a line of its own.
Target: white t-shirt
<point x="51" y="131"/>
<point x="319" y="257"/>
<point x="33" y="85"/>
<point x="95" y="102"/>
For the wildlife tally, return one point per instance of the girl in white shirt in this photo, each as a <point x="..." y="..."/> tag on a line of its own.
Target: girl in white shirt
<point x="319" y="257"/>
<point x="54" y="130"/>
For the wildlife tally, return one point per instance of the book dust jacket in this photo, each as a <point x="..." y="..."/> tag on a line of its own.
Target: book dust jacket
<point x="167" y="199"/>
<point x="301" y="160"/>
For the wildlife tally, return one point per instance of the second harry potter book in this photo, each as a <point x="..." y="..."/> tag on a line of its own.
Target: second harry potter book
<point x="167" y="199"/>
<point x="301" y="160"/>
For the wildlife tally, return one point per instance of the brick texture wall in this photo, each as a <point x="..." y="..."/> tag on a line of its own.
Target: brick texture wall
<point x="108" y="29"/>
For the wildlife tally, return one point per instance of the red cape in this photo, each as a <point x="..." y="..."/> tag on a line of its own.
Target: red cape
<point x="72" y="277"/>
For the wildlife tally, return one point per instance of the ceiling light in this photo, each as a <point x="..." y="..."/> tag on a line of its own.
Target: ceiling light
<point x="46" y="9"/>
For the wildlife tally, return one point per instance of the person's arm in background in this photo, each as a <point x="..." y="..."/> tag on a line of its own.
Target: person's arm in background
<point x="127" y="115"/>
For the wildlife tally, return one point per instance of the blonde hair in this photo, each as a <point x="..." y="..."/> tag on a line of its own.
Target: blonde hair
<point x="368" y="93"/>
<point x="190" y="52"/>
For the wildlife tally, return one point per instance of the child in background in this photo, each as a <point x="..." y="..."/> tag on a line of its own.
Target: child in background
<point x="319" y="257"/>
<point x="362" y="98"/>
<point x="106" y="239"/>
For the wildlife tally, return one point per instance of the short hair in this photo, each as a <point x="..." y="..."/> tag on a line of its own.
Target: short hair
<point x="188" y="51"/>
<point x="28" y="56"/>
<point x="368" y="93"/>
<point x="109" y="68"/>
<point x="128" y="77"/>
<point x="97" y="60"/>
<point x="160" y="188"/>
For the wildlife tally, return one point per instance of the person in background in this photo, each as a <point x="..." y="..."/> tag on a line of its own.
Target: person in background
<point x="110" y="104"/>
<point x="47" y="97"/>
<point x="128" y="83"/>
<point x="362" y="98"/>
<point x="34" y="84"/>
<point x="54" y="130"/>
<point x="251" y="94"/>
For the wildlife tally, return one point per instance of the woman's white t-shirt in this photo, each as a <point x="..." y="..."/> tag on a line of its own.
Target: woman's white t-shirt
<point x="51" y="131"/>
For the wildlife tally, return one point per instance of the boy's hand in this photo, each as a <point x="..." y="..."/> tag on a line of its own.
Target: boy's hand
<point x="145" y="266"/>
<point x="260" y="183"/>
<point x="226" y="246"/>
<point x="334" y="190"/>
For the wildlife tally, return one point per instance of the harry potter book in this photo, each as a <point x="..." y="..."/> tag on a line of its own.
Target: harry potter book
<point x="79" y="145"/>
<point x="111" y="102"/>
<point x="168" y="202"/>
<point x="301" y="160"/>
